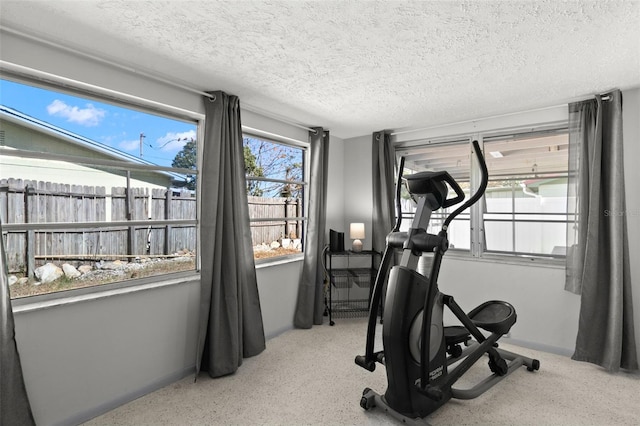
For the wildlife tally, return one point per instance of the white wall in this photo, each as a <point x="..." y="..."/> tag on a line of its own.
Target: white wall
<point x="84" y="358"/>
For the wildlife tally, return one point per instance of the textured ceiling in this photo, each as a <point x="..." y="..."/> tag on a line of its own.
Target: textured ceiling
<point x="359" y="66"/>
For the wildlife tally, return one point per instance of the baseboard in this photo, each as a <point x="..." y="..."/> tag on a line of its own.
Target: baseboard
<point x="539" y="347"/>
<point x="94" y="412"/>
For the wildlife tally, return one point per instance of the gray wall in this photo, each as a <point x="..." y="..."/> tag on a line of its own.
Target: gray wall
<point x="81" y="359"/>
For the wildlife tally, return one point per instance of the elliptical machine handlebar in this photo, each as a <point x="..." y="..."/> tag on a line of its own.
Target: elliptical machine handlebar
<point x="483" y="186"/>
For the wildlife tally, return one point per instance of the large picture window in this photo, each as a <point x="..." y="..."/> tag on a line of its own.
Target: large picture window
<point x="93" y="192"/>
<point x="524" y="210"/>
<point x="275" y="188"/>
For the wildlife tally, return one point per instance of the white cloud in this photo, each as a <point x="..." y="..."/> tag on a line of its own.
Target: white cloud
<point x="132" y="145"/>
<point x="88" y="116"/>
<point x="174" y="141"/>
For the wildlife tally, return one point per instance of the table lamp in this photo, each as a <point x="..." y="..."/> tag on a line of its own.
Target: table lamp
<point x="356" y="231"/>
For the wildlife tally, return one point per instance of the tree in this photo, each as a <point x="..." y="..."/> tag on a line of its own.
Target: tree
<point x="275" y="161"/>
<point x="251" y="168"/>
<point x="186" y="159"/>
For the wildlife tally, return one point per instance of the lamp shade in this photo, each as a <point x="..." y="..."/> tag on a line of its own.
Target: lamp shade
<point x="356" y="231"/>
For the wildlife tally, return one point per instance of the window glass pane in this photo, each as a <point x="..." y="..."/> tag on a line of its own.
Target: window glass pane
<point x="526" y="201"/>
<point x="97" y="190"/>
<point x="499" y="235"/>
<point x="453" y="158"/>
<point x="275" y="192"/>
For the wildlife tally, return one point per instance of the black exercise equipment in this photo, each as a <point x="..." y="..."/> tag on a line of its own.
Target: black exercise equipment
<point x="418" y="376"/>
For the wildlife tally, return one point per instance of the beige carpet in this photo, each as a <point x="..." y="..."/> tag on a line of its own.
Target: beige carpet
<point x="309" y="377"/>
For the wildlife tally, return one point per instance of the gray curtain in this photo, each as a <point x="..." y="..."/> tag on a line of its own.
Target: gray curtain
<point x="310" y="303"/>
<point x="383" y="189"/>
<point x="230" y="325"/>
<point x="598" y="254"/>
<point x="14" y="401"/>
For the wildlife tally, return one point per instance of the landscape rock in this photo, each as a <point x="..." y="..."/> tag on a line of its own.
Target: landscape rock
<point x="113" y="266"/>
<point x="275" y="244"/>
<point x="83" y="269"/>
<point x="48" y="273"/>
<point x="12" y="279"/>
<point x="70" y="271"/>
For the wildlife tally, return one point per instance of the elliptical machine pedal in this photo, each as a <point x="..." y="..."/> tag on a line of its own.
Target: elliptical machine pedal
<point x="454" y="335"/>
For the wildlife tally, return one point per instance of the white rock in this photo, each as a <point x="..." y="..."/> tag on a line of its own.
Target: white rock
<point x="48" y="273"/>
<point x="114" y="266"/>
<point x="83" y="269"/>
<point x="23" y="280"/>
<point x="70" y="271"/>
<point x="12" y="279"/>
<point x="274" y="244"/>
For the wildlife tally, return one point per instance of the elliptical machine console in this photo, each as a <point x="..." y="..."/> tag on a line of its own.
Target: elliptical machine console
<point x="419" y="377"/>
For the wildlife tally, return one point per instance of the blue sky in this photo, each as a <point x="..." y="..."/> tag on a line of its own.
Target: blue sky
<point x="119" y="128"/>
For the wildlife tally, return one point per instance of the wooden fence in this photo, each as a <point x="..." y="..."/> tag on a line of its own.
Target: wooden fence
<point x="29" y="202"/>
<point x="264" y="232"/>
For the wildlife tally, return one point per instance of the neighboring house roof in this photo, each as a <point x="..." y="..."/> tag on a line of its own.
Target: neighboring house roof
<point x="103" y="150"/>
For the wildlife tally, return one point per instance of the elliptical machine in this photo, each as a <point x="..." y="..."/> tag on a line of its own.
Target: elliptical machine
<point x="418" y="376"/>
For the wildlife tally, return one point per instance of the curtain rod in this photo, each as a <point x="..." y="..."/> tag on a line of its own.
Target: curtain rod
<point x="402" y="132"/>
<point x="43" y="76"/>
<point x="146" y="74"/>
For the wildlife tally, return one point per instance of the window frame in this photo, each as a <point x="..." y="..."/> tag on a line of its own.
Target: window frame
<point x="122" y="100"/>
<point x="304" y="147"/>
<point x="478" y="250"/>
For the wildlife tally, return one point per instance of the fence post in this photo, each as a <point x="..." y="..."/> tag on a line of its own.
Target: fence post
<point x="131" y="234"/>
<point x="167" y="215"/>
<point x="29" y="191"/>
<point x="299" y="223"/>
<point x="286" y="215"/>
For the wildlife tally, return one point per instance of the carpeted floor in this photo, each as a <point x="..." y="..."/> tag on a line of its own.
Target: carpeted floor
<point x="309" y="377"/>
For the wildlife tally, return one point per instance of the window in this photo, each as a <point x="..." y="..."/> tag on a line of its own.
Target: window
<point x="275" y="188"/>
<point x="92" y="192"/>
<point x="524" y="210"/>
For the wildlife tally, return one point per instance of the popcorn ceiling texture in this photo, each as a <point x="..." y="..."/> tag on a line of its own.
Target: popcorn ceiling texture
<point x="359" y="66"/>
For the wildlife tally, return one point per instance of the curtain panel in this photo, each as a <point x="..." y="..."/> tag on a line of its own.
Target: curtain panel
<point x="15" y="408"/>
<point x="598" y="253"/>
<point x="383" y="189"/>
<point x="310" y="303"/>
<point x="230" y="322"/>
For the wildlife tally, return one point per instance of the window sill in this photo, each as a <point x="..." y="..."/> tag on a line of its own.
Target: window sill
<point x="266" y="263"/>
<point x="539" y="262"/>
<point x="70" y="297"/>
